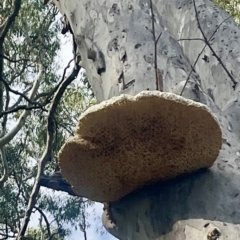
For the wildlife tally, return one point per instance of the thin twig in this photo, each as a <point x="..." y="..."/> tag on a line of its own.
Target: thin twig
<point x="4" y="121"/>
<point x="155" y="47"/>
<point x="61" y="81"/>
<point x="83" y="226"/>
<point x="18" y="93"/>
<point x="4" y="178"/>
<point x="193" y="67"/>
<point x="22" y="107"/>
<point x="4" y="28"/>
<point x="191" y="39"/>
<point x="65" y="128"/>
<point x="11" y="226"/>
<point x="45" y="219"/>
<point x="22" y="119"/>
<point x="13" y="61"/>
<point x="18" y="100"/>
<point x="214" y="53"/>
<point x="39" y="106"/>
<point x="47" y="155"/>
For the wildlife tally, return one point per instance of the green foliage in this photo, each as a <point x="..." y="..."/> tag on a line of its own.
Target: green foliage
<point x="32" y="41"/>
<point x="33" y="34"/>
<point x="62" y="206"/>
<point x="231" y="6"/>
<point x="38" y="234"/>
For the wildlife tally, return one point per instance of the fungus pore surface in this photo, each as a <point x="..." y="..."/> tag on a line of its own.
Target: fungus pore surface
<point x="127" y="142"/>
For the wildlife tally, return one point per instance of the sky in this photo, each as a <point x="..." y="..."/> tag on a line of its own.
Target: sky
<point x="94" y="216"/>
<point x="94" y="212"/>
<point x="93" y="232"/>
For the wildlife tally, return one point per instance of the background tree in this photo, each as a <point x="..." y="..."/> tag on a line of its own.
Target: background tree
<point x="29" y="90"/>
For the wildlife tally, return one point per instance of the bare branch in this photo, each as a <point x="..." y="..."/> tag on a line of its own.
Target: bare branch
<point x="4" y="28"/>
<point x="11" y="226"/>
<point x="210" y="47"/>
<point x="19" y="100"/>
<point x="1" y="76"/>
<point x="157" y="72"/>
<point x="49" y="94"/>
<point x="193" y="67"/>
<point x="47" y="155"/>
<point x="18" y="93"/>
<point x="22" y="107"/>
<point x="4" y="122"/>
<point x="22" y="119"/>
<point x="13" y="61"/>
<point x="191" y="39"/>
<point x="4" y="178"/>
<point x="41" y="227"/>
<point x="83" y="226"/>
<point x="154" y="38"/>
<point x="61" y="81"/>
<point x="46" y="94"/>
<point x="45" y="219"/>
<point x="65" y="128"/>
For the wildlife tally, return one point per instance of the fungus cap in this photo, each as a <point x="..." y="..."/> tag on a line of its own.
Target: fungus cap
<point x="127" y="142"/>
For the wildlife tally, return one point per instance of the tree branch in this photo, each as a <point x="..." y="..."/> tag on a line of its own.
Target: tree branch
<point x="210" y="47"/>
<point x="47" y="155"/>
<point x="4" y="28"/>
<point x="83" y="226"/>
<point x="157" y="73"/>
<point x="45" y="219"/>
<point x="4" y="122"/>
<point x="49" y="94"/>
<point x="193" y="67"/>
<point x="13" y="61"/>
<point x="4" y="178"/>
<point x="11" y="226"/>
<point x="22" y="119"/>
<point x="5" y="175"/>
<point x="191" y="39"/>
<point x="18" y="93"/>
<point x="22" y="107"/>
<point x="19" y="100"/>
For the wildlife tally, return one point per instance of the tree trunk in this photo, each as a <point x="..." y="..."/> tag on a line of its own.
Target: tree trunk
<point x="116" y="44"/>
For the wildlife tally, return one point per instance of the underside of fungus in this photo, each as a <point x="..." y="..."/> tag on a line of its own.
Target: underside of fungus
<point x="128" y="142"/>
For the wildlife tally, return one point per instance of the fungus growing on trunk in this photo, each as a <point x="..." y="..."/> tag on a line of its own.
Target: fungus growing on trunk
<point x="128" y="142"/>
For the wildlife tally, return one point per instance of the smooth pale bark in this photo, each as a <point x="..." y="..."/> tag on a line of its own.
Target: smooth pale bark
<point x="117" y="36"/>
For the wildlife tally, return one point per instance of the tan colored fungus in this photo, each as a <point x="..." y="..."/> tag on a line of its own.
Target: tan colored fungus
<point x="127" y="142"/>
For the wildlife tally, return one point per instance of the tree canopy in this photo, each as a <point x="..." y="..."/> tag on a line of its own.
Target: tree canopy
<point x="39" y="107"/>
<point x="231" y="6"/>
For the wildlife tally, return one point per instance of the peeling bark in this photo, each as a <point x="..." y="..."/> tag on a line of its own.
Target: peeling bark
<point x="204" y="205"/>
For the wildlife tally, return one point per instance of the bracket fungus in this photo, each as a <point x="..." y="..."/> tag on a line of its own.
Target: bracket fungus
<point x="128" y="142"/>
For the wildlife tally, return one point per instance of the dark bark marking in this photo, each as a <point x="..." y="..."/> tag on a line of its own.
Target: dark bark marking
<point x="130" y="83"/>
<point x="214" y="234"/>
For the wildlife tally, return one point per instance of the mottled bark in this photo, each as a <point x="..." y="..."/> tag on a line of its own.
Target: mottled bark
<point x="115" y="41"/>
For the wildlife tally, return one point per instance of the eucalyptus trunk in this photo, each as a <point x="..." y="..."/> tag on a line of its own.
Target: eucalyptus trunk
<point x="120" y="50"/>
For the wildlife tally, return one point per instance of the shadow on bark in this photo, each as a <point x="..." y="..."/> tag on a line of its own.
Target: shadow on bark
<point x="201" y="195"/>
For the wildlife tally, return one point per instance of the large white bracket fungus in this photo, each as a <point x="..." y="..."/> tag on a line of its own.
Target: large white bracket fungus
<point x="128" y="142"/>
